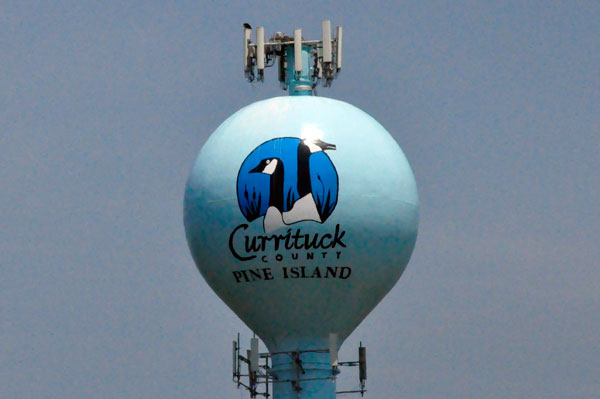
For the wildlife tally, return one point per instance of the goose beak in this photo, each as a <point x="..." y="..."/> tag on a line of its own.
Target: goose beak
<point x="324" y="146"/>
<point x="258" y="169"/>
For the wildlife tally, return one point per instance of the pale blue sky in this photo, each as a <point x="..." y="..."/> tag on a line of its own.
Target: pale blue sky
<point x="105" y="105"/>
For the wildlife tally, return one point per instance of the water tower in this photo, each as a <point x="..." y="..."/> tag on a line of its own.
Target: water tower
<point x="301" y="213"/>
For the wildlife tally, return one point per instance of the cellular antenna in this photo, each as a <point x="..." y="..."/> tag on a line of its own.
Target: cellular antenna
<point x="302" y="64"/>
<point x="260" y="52"/>
<point x="338" y="49"/>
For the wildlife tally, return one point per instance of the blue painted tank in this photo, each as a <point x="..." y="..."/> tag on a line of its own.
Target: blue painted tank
<point x="301" y="213"/>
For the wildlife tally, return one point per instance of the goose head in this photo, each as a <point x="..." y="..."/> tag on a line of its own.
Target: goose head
<point x="316" y="145"/>
<point x="268" y="166"/>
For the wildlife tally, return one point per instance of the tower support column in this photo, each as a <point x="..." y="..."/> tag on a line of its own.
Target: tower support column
<point x="302" y="375"/>
<point x="298" y="83"/>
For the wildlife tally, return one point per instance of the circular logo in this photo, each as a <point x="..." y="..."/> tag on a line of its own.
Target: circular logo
<point x="288" y="180"/>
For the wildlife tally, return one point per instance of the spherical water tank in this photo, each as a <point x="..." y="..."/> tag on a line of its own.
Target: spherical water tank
<point x="301" y="213"/>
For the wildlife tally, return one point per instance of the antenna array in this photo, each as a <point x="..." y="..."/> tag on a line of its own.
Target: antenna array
<point x="326" y="56"/>
<point x="258" y="367"/>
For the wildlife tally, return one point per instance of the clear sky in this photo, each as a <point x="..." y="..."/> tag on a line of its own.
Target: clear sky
<point x="104" y="106"/>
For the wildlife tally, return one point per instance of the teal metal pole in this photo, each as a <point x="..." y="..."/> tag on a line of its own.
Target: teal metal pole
<point x="306" y="375"/>
<point x="298" y="83"/>
<point x="303" y="369"/>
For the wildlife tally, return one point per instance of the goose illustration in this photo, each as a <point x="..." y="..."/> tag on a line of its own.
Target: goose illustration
<point x="305" y="208"/>
<point x="304" y="190"/>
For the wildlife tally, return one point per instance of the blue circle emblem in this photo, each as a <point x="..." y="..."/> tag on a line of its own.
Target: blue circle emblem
<point x="288" y="180"/>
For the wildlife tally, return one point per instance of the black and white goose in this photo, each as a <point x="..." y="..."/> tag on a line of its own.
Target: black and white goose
<point x="274" y="168"/>
<point x="305" y="207"/>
